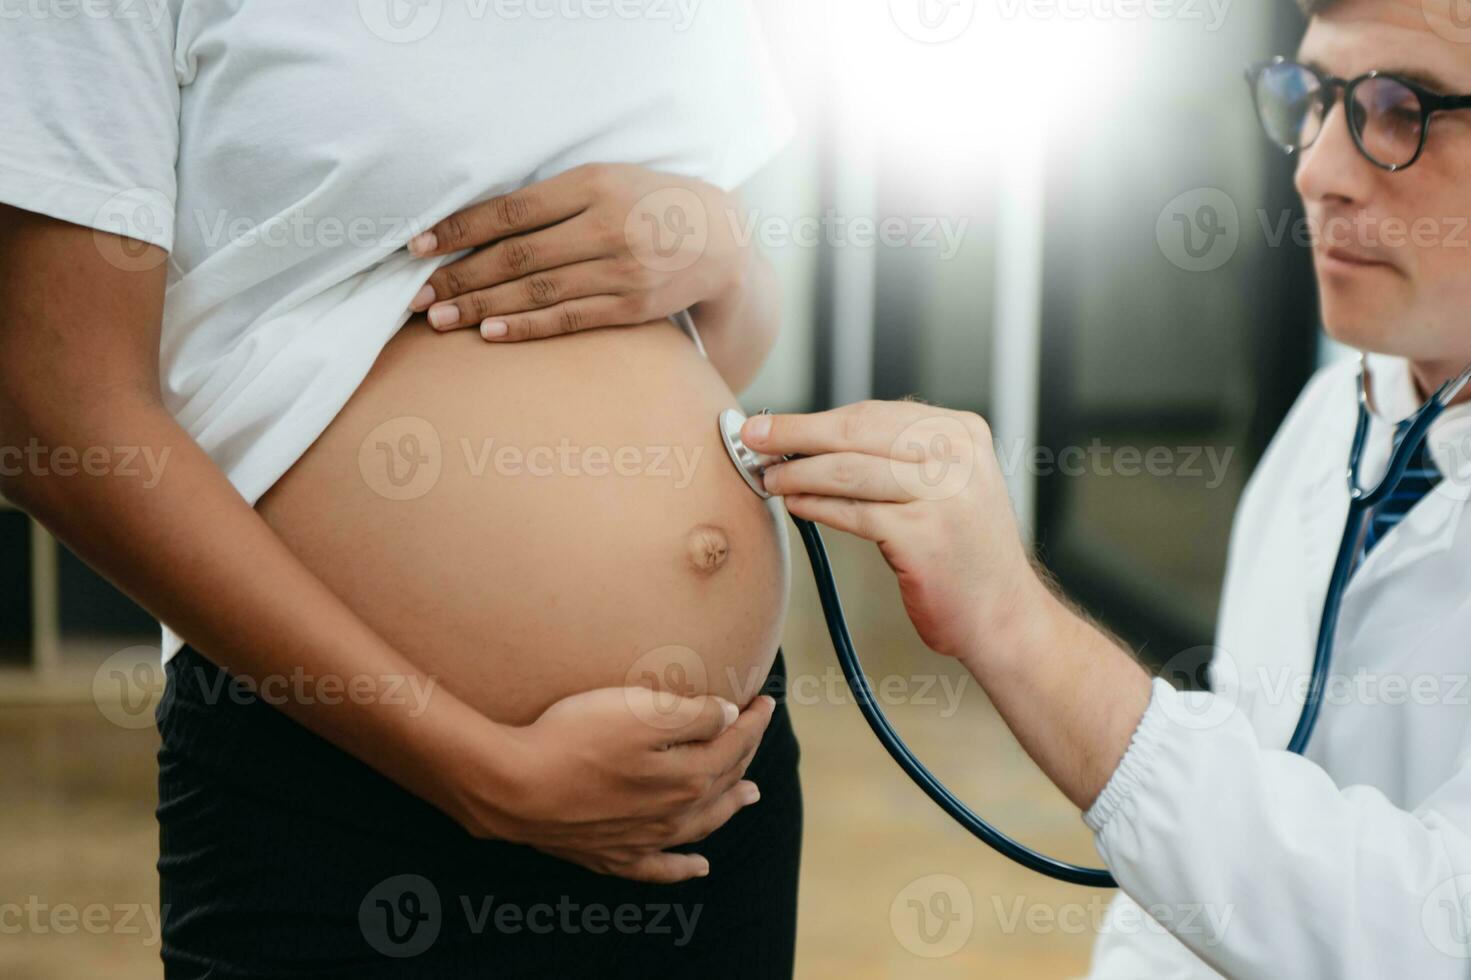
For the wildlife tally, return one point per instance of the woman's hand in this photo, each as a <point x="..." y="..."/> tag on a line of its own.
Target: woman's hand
<point x="924" y="484"/>
<point x="611" y="778"/>
<point x="600" y="245"/>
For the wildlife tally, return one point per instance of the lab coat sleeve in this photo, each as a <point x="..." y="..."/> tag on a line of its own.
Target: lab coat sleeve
<point x="1263" y="867"/>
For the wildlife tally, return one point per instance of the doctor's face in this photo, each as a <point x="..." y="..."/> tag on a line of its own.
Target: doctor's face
<point x="1392" y="251"/>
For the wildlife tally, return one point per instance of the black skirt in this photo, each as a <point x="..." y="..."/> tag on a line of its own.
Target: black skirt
<point x="283" y="856"/>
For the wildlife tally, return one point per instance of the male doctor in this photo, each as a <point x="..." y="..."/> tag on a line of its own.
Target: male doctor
<point x="1355" y="859"/>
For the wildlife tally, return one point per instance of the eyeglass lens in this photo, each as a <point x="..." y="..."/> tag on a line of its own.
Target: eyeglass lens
<point x="1384" y="114"/>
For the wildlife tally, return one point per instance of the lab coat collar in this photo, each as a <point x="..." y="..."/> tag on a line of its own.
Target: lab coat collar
<point x="1449" y="439"/>
<point x="1428" y="529"/>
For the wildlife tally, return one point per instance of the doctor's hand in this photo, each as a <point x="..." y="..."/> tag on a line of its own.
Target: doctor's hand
<point x="925" y="485"/>
<point x="599" y="245"/>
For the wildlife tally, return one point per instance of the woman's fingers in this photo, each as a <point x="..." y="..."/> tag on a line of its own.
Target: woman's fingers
<point x="511" y="258"/>
<point x="537" y="291"/>
<point x="711" y="818"/>
<point x="708" y="716"/>
<point x="664" y="868"/>
<point x="720" y="754"/>
<point x="707" y="746"/>
<point x="535" y="206"/>
<point x="728" y="779"/>
<point x="572" y="316"/>
<point x="903" y="430"/>
<point x="655" y="867"/>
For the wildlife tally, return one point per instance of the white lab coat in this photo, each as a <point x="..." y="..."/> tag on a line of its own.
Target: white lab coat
<point x="1354" y="861"/>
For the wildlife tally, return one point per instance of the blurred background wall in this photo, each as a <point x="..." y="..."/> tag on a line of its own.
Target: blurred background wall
<point x="1058" y="213"/>
<point x="1091" y="253"/>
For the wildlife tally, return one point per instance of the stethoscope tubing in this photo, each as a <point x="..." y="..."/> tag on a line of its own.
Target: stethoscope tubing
<point x="832" y="609"/>
<point x="1361" y="501"/>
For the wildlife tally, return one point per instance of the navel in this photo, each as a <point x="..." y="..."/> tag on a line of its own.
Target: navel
<point x="707" y="548"/>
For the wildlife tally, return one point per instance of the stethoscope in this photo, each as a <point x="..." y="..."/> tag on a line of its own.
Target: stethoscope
<point x="751" y="465"/>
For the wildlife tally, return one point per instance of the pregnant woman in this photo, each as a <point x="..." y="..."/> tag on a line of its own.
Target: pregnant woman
<point x="467" y="620"/>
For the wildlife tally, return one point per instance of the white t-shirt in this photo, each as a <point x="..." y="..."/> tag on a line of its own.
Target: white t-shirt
<point x="285" y="151"/>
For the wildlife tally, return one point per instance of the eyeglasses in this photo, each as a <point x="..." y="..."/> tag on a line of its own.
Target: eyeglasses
<point x="1387" y="115"/>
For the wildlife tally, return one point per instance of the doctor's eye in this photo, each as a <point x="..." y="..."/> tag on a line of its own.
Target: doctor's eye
<point x="1290" y="104"/>
<point x="1389" y="120"/>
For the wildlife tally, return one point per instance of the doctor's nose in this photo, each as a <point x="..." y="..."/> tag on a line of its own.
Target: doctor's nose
<point x="1332" y="171"/>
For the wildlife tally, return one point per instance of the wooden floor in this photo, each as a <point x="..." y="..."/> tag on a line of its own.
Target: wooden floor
<point x="890" y="888"/>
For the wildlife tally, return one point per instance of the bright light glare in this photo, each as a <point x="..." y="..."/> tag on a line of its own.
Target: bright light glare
<point x="1003" y="78"/>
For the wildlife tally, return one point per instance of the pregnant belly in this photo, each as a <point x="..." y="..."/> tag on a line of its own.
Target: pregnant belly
<point x="528" y="521"/>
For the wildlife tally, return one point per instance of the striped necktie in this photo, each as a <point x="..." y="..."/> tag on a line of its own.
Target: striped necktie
<point x="1421" y="476"/>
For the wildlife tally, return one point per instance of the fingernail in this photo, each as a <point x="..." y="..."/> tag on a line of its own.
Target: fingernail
<point x="753" y="794"/>
<point x="444" y="316"/>
<point x="704" y="869"/>
<point x="422" y="299"/>
<point x="492" y="329"/>
<point x="731" y="712"/>
<point x="757" y="428"/>
<point x="423" y="244"/>
<point x="769" y="700"/>
<point x="768" y="477"/>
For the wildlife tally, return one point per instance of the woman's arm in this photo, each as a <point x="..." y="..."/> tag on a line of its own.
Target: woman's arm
<point x="79" y="343"/>
<point x="739" y="327"/>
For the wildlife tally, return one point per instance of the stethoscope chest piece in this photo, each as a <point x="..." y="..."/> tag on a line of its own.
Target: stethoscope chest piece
<point x="750" y="464"/>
